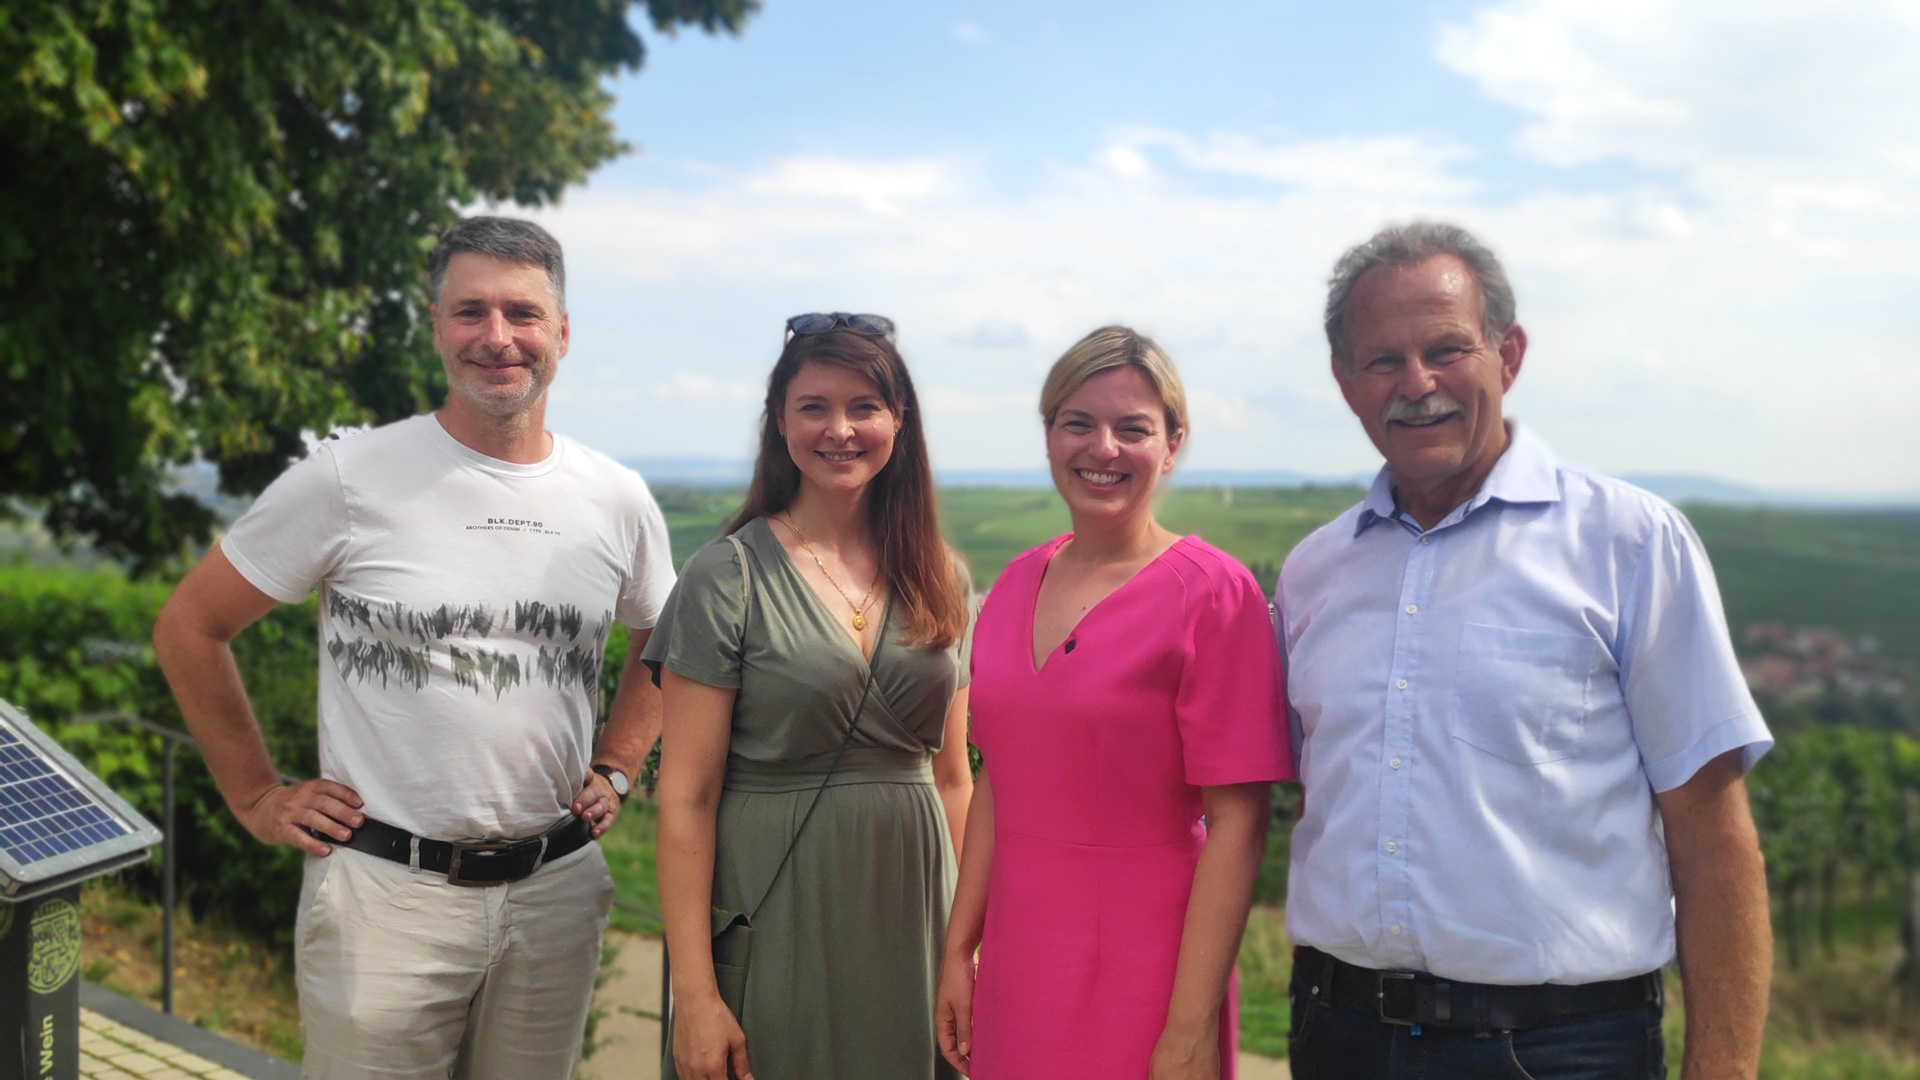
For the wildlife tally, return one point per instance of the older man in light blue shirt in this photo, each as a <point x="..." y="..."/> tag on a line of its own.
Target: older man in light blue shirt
<point x="1521" y="728"/>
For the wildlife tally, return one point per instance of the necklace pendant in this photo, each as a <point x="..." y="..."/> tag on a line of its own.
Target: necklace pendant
<point x="859" y="621"/>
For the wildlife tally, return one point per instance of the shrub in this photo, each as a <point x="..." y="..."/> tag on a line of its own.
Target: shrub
<point x="77" y="642"/>
<point x="74" y="642"/>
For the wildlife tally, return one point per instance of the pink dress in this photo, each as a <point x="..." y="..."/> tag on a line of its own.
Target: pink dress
<point x="1169" y="684"/>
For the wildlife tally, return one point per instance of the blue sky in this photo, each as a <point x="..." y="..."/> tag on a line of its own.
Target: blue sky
<point x="1708" y="211"/>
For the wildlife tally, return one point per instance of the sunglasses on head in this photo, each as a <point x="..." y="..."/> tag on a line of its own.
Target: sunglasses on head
<point x="820" y="322"/>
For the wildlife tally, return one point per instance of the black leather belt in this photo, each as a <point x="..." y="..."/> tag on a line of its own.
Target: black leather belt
<point x="478" y="862"/>
<point x="1410" y="998"/>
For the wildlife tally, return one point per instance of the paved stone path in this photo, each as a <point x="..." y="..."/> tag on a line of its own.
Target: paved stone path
<point x="627" y="1040"/>
<point x="110" y="1050"/>
<point x="125" y="1039"/>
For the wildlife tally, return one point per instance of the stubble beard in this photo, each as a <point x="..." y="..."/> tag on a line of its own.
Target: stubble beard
<point x="500" y="402"/>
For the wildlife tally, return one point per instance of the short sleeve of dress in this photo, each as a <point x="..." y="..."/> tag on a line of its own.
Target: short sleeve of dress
<point x="1231" y="705"/>
<point x="703" y="623"/>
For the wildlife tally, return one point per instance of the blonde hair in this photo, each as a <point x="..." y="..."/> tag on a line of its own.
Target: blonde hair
<point x="1107" y="348"/>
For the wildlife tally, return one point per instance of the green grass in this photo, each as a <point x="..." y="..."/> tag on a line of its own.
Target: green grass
<point x="629" y="848"/>
<point x="1854" y="571"/>
<point x="694" y="515"/>
<point x="990" y="526"/>
<point x="1258" y="526"/>
<point x="1837" y="1018"/>
<point x="1266" y="963"/>
<point x="1828" y="1060"/>
<point x="1858" y="573"/>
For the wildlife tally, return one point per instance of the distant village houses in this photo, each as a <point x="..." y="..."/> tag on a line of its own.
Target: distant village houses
<point x="1798" y="662"/>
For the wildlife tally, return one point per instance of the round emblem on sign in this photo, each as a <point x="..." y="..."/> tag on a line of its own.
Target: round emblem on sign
<point x="53" y="954"/>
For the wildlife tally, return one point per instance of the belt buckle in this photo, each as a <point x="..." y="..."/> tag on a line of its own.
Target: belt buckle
<point x="1411" y="1018"/>
<point x="483" y="847"/>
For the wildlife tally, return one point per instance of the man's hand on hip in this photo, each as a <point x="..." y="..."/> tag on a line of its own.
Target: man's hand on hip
<point x="283" y="814"/>
<point x="598" y="803"/>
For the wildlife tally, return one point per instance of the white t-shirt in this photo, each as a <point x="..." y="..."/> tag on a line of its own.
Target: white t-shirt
<point x="465" y="606"/>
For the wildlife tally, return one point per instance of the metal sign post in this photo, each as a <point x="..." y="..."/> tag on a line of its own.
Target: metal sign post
<point x="40" y="986"/>
<point x="59" y="826"/>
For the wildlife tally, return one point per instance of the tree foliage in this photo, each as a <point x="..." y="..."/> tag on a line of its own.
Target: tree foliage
<point x="214" y="223"/>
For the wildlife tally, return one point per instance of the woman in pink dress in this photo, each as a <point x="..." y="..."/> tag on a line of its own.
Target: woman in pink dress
<point x="1127" y="700"/>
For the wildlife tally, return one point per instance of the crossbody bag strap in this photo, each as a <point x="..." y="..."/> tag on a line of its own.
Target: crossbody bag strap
<point x="865" y="692"/>
<point x="746" y="574"/>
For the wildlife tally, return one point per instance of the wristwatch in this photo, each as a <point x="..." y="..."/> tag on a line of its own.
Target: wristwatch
<point x="615" y="777"/>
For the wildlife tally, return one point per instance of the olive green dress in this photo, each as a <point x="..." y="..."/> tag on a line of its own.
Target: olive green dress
<point x="846" y="950"/>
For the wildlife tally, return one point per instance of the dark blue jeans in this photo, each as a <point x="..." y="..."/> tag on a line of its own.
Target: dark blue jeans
<point x="1346" y="1041"/>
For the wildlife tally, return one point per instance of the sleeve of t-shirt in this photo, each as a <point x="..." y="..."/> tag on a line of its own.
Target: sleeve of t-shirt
<point x="1684" y="691"/>
<point x="1231" y="705"/>
<point x="650" y="579"/>
<point x="703" y="622"/>
<point x="296" y="532"/>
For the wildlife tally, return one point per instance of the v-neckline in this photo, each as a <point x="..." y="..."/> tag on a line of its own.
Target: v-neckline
<point x="1033" y="602"/>
<point x="820" y="603"/>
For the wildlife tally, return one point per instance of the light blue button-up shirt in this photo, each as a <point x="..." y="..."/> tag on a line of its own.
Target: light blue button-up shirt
<point x="1483" y="712"/>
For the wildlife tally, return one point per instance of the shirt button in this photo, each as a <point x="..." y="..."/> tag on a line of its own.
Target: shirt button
<point x="1394" y="929"/>
<point x="1401" y="683"/>
<point x="1413" y="609"/>
<point x="1426" y="539"/>
<point x="1392" y="847"/>
<point x="1395" y="763"/>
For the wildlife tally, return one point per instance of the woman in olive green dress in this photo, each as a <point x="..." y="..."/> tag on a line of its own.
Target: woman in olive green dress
<point x="833" y="574"/>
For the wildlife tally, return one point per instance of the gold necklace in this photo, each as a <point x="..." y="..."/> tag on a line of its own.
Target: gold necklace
<point x="860" y="609"/>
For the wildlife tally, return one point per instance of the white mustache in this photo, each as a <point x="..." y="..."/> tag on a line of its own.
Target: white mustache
<point x="1434" y="404"/>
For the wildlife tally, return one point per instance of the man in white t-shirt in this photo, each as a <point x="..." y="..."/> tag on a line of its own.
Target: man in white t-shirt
<point x="471" y="565"/>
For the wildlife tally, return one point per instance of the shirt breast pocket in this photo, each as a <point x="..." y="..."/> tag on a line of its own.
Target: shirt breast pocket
<point x="1523" y="695"/>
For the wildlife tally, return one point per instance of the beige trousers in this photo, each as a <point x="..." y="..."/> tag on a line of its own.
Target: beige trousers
<point x="404" y="975"/>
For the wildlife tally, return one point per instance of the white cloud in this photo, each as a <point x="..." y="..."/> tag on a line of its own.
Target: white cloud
<point x="948" y="400"/>
<point x="1394" y="165"/>
<point x="1736" y="302"/>
<point x="1765" y="246"/>
<point x="879" y="187"/>
<point x="1126" y="161"/>
<point x="1209" y="409"/>
<point x="1785" y="89"/>
<point x="994" y="332"/>
<point x="1558" y="61"/>
<point x="690" y="386"/>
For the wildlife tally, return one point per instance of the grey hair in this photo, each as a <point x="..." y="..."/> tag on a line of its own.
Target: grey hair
<point x="1410" y="245"/>
<point x="507" y="239"/>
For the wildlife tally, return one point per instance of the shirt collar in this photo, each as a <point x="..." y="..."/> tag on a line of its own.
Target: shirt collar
<point x="1378" y="505"/>
<point x="1525" y="473"/>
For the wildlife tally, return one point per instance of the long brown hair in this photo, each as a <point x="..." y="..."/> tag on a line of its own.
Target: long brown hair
<point x="921" y="570"/>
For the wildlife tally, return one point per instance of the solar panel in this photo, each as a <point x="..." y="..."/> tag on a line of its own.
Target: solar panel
<point x="58" y="823"/>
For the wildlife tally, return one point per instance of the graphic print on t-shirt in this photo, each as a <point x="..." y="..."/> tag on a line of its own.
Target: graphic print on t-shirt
<point x="396" y="644"/>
